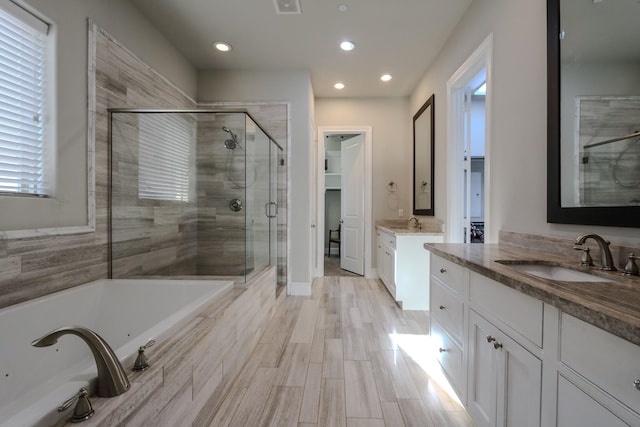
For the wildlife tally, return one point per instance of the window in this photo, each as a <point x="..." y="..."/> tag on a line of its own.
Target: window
<point x="165" y="153"/>
<point x="25" y="139"/>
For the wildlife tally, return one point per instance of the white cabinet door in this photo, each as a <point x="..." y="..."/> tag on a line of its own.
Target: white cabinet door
<point x="381" y="262"/>
<point x="576" y="408"/>
<point x="390" y="270"/>
<point x="519" y="387"/>
<point x="482" y="389"/>
<point x="504" y="387"/>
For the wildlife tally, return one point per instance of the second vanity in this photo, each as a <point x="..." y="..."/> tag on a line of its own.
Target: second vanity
<point x="403" y="264"/>
<point x="521" y="350"/>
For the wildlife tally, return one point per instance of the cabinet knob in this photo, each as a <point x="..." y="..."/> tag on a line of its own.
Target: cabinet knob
<point x="442" y="350"/>
<point x="636" y="383"/>
<point x="442" y="307"/>
<point x="490" y="339"/>
<point x="497" y="345"/>
<point x="443" y="270"/>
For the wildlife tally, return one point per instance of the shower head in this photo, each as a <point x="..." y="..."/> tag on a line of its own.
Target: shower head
<point x="232" y="143"/>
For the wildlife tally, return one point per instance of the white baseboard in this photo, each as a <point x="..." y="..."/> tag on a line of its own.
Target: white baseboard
<point x="299" y="289"/>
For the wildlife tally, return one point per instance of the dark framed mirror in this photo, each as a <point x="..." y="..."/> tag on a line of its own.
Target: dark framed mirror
<point x="593" y="115"/>
<point x="423" y="150"/>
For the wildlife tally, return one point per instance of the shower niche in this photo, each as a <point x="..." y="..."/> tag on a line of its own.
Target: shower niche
<point x="192" y="193"/>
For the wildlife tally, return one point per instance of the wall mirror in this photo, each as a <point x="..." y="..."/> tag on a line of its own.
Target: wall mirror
<point x="423" y="149"/>
<point x="593" y="64"/>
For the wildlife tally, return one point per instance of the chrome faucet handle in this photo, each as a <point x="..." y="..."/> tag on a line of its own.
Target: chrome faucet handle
<point x="141" y="363"/>
<point x="631" y="268"/>
<point x="586" y="259"/>
<point x="83" y="410"/>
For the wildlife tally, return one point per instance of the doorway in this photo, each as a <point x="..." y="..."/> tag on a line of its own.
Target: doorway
<point x="468" y="148"/>
<point x="344" y="201"/>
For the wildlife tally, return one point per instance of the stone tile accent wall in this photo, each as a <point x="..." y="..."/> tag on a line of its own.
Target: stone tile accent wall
<point x="35" y="266"/>
<point x="191" y="372"/>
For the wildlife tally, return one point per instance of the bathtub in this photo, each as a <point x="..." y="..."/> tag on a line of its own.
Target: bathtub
<point x="125" y="312"/>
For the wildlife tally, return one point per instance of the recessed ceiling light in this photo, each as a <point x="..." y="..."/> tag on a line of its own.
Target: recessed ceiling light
<point x="343" y="8"/>
<point x="385" y="77"/>
<point x="222" y="46"/>
<point x="339" y="86"/>
<point x="347" y="45"/>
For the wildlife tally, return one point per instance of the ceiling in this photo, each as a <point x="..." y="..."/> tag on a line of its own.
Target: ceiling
<point x="401" y="38"/>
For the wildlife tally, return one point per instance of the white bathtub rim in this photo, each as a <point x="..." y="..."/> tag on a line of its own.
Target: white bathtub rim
<point x="38" y="407"/>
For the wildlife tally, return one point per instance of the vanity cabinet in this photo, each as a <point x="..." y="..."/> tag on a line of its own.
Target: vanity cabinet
<point x="449" y="290"/>
<point x="504" y="342"/>
<point x="403" y="266"/>
<point x="504" y="378"/>
<point x="387" y="260"/>
<point x="516" y="361"/>
<point x="596" y="377"/>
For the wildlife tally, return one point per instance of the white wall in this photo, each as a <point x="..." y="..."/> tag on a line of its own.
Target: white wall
<point x="390" y="119"/>
<point x="293" y="87"/>
<point x="519" y="116"/>
<point x="125" y="23"/>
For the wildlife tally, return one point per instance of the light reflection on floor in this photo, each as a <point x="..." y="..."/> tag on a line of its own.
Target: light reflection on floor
<point x="423" y="349"/>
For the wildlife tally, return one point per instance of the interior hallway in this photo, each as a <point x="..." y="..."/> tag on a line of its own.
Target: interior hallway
<point x="346" y="356"/>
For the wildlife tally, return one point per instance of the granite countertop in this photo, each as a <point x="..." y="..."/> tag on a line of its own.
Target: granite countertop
<point x="613" y="306"/>
<point x="401" y="227"/>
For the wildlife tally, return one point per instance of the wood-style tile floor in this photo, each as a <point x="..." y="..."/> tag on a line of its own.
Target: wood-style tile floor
<point x="346" y="356"/>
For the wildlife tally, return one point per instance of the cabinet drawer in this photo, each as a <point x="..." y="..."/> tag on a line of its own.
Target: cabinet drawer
<point x="514" y="309"/>
<point x="449" y="273"/>
<point x="447" y="308"/>
<point x="448" y="354"/>
<point x="386" y="238"/>
<point x="609" y="362"/>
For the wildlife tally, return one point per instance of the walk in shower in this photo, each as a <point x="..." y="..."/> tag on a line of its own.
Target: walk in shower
<point x="192" y="193"/>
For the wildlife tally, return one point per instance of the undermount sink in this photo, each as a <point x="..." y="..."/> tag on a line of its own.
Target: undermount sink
<point x="551" y="271"/>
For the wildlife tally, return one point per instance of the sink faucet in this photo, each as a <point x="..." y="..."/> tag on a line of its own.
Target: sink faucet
<point x="415" y="222"/>
<point x="605" y="253"/>
<point x="112" y="380"/>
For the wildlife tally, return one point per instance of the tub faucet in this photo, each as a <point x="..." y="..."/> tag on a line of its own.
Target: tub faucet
<point x="605" y="253"/>
<point x="112" y="380"/>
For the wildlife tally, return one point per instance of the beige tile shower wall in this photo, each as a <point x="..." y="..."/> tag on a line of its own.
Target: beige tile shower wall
<point x="274" y="118"/>
<point x="192" y="372"/>
<point x="149" y="237"/>
<point x="221" y="232"/>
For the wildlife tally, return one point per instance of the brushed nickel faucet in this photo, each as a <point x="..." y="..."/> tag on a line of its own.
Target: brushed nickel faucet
<point x="416" y="223"/>
<point x="112" y="380"/>
<point x="605" y="253"/>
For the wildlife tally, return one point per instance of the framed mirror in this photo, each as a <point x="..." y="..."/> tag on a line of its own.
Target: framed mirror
<point x="593" y="122"/>
<point x="423" y="149"/>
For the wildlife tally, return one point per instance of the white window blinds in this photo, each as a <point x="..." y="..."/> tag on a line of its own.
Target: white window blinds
<point x="166" y="144"/>
<point x="23" y="49"/>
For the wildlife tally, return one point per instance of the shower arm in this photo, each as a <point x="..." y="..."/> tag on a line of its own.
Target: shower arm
<point x="609" y="141"/>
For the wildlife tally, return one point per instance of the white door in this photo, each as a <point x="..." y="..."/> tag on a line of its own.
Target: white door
<point x="352" y="205"/>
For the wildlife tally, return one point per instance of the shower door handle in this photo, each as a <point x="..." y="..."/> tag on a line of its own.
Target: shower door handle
<point x="267" y="209"/>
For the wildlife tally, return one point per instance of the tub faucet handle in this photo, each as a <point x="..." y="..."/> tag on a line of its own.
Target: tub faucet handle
<point x="631" y="269"/>
<point x="83" y="410"/>
<point x="141" y="363"/>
